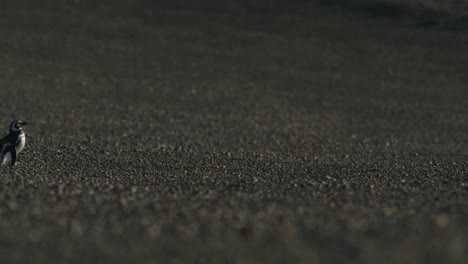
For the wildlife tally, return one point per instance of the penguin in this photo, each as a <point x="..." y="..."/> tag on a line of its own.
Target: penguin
<point x="13" y="143"/>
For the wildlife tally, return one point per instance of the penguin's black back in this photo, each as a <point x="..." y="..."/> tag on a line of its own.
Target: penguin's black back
<point x="10" y="138"/>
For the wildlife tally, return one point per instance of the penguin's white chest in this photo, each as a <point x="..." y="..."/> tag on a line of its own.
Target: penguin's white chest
<point x="21" y="143"/>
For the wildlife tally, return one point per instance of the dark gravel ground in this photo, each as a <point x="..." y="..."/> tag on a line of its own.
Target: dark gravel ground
<point x="233" y="132"/>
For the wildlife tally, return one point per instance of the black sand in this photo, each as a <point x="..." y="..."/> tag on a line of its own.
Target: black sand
<point x="286" y="132"/>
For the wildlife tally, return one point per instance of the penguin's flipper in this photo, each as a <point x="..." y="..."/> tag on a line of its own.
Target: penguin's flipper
<point x="13" y="155"/>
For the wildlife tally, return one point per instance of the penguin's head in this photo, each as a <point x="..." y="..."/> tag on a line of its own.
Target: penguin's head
<point x="17" y="125"/>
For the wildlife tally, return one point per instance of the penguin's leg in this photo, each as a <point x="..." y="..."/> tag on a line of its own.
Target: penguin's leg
<point x="13" y="155"/>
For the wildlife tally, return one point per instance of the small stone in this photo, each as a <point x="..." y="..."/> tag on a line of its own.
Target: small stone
<point x="442" y="220"/>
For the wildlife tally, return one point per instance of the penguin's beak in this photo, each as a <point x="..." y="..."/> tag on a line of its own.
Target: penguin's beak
<point x="24" y="123"/>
